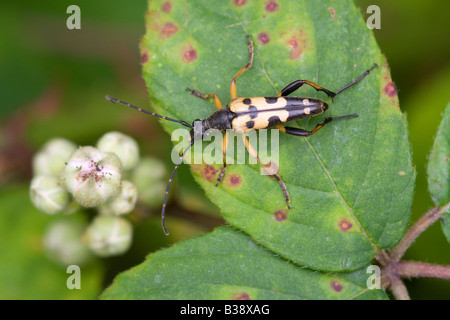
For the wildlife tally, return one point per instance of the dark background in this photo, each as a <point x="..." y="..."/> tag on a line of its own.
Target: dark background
<point x="53" y="82"/>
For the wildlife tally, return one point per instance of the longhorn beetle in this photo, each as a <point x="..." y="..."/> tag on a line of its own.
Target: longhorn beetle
<point x="243" y="114"/>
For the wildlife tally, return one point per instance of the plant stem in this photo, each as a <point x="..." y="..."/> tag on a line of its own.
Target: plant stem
<point x="413" y="269"/>
<point x="394" y="269"/>
<point x="421" y="225"/>
<point x="398" y="289"/>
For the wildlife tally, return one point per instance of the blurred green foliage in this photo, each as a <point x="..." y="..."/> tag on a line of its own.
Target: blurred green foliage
<point x="53" y="82"/>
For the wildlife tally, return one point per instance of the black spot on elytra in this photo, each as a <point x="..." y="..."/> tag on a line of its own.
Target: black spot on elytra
<point x="274" y="120"/>
<point x="271" y="100"/>
<point x="253" y="112"/>
<point x="250" y="124"/>
<point x="247" y="101"/>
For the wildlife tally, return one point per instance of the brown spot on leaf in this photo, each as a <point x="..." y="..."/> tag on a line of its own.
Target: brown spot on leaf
<point x="263" y="38"/>
<point x="209" y="172"/>
<point x="336" y="286"/>
<point x="332" y="12"/>
<point x="271" y="6"/>
<point x="240" y="2"/>
<point x="166" y="7"/>
<point x="189" y="54"/>
<point x="280" y="215"/>
<point x="241" y="296"/>
<point x="144" y="57"/>
<point x="296" y="51"/>
<point x="234" y="180"/>
<point x="345" y="225"/>
<point x="447" y="159"/>
<point x="169" y="30"/>
<point x="297" y="44"/>
<point x="390" y="89"/>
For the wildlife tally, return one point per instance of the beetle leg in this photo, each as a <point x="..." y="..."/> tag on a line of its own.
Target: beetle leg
<point x="233" y="87"/>
<point x="216" y="99"/>
<point x="293" y="86"/>
<point x="224" y="152"/>
<point x="269" y="169"/>
<point x="305" y="133"/>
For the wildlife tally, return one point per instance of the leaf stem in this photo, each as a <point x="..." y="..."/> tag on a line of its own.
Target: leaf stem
<point x="413" y="269"/>
<point x="394" y="269"/>
<point x="421" y="225"/>
<point x="399" y="290"/>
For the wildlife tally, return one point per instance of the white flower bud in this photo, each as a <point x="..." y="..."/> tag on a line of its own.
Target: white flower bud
<point x="92" y="176"/>
<point x="123" y="203"/>
<point x="125" y="147"/>
<point x="148" y="178"/>
<point x="109" y="236"/>
<point x="63" y="243"/>
<point x="47" y="194"/>
<point x="52" y="156"/>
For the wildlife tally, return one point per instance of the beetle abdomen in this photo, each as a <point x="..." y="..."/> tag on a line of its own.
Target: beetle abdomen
<point x="264" y="112"/>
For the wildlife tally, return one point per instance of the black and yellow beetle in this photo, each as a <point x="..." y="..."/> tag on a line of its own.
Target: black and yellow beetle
<point x="243" y="114"/>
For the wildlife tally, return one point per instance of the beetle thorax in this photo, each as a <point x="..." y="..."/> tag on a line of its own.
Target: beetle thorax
<point x="220" y="120"/>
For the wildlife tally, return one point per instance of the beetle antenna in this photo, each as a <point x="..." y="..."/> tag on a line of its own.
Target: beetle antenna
<point x="163" y="211"/>
<point x="114" y="100"/>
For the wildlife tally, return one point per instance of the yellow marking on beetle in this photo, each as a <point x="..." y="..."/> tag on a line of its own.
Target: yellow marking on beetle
<point x="307" y="110"/>
<point x="306" y="102"/>
<point x="237" y="105"/>
<point x="241" y="122"/>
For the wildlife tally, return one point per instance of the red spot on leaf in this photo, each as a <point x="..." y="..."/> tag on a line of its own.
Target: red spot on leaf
<point x="332" y="12"/>
<point x="189" y="54"/>
<point x="235" y="180"/>
<point x="271" y="6"/>
<point x="345" y="225"/>
<point x="280" y="215"/>
<point x="263" y="38"/>
<point x="390" y="89"/>
<point x="209" y="172"/>
<point x="169" y="30"/>
<point x="240" y="2"/>
<point x="144" y="57"/>
<point x="336" y="286"/>
<point x="297" y="44"/>
<point x="166" y="7"/>
<point x="241" y="296"/>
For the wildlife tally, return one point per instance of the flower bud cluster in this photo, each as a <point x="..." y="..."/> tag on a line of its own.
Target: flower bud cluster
<point x="67" y="178"/>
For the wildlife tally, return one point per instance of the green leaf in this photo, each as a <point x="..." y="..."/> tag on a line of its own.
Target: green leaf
<point x="26" y="271"/>
<point x="446" y="225"/>
<point x="439" y="163"/>
<point x="350" y="184"/>
<point x="439" y="169"/>
<point x="227" y="264"/>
